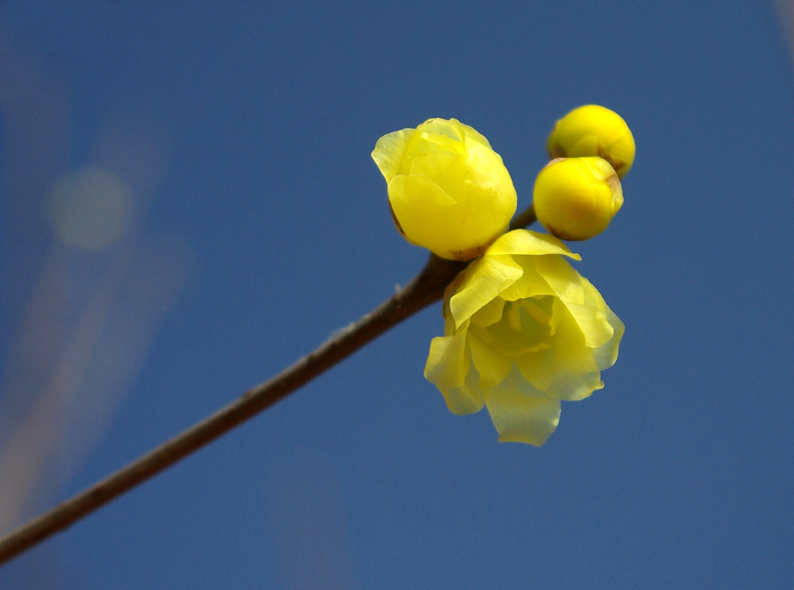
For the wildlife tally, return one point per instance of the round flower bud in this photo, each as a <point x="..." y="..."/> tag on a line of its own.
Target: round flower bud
<point x="593" y="130"/>
<point x="576" y="198"/>
<point x="448" y="190"/>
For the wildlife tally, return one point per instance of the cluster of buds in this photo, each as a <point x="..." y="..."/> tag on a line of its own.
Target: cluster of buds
<point x="523" y="330"/>
<point x="579" y="192"/>
<point x="450" y="192"/>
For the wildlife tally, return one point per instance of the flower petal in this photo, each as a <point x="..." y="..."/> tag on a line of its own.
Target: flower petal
<point x="492" y="366"/>
<point x="485" y="280"/>
<point x="490" y="181"/>
<point x="531" y="283"/>
<point x="489" y="314"/>
<point x="423" y="210"/>
<point x="606" y="354"/>
<point x="447" y="171"/>
<point x="389" y="152"/>
<point x="561" y="277"/>
<point x="522" y="413"/>
<point x="593" y="323"/>
<point x="473" y="134"/>
<point x="448" y="362"/>
<point x="444" y="135"/>
<point x="567" y="370"/>
<point x="466" y="399"/>
<point x="525" y="242"/>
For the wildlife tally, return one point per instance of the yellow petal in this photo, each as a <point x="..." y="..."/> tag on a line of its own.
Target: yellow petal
<point x="531" y="283"/>
<point x="448" y="361"/>
<point x="423" y="209"/>
<point x="561" y="277"/>
<point x="518" y="332"/>
<point x="492" y="366"/>
<point x="567" y="370"/>
<point x="490" y="184"/>
<point x="485" y="279"/>
<point x="389" y="152"/>
<point x="467" y="399"/>
<point x="522" y="413"/>
<point x="489" y="314"/>
<point x="445" y="170"/>
<point x="523" y="241"/>
<point x="444" y="135"/>
<point x="473" y="135"/>
<point x="607" y="354"/>
<point x="593" y="324"/>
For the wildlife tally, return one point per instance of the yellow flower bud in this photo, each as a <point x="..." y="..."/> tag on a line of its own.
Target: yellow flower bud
<point x="448" y="190"/>
<point x="576" y="198"/>
<point x="593" y="130"/>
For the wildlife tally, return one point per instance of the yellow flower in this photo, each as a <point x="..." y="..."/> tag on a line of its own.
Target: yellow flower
<point x="523" y="330"/>
<point x="576" y="198"/>
<point x="448" y="190"/>
<point x="593" y="130"/>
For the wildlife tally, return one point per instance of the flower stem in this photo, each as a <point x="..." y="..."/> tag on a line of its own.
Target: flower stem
<point x="427" y="287"/>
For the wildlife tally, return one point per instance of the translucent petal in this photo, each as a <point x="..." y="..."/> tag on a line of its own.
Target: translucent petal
<point x="485" y="280"/>
<point x="473" y="134"/>
<point x="518" y="332"/>
<point x="389" y="151"/>
<point x="448" y="361"/>
<point x="592" y="296"/>
<point x="489" y="314"/>
<point x="525" y="242"/>
<point x="520" y="412"/>
<point x="531" y="283"/>
<point x="607" y="354"/>
<point x="593" y="324"/>
<point x="443" y="135"/>
<point x="466" y="399"/>
<point x="561" y="277"/>
<point x="568" y="369"/>
<point x="492" y="366"/>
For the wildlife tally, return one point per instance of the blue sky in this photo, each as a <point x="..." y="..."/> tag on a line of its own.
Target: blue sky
<point x="253" y="224"/>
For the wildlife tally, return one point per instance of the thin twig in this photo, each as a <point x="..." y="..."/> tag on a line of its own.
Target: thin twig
<point x="428" y="286"/>
<point x="525" y="218"/>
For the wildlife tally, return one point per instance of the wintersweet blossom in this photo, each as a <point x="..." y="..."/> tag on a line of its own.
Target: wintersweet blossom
<point x="593" y="130"/>
<point x="576" y="198"/>
<point x="523" y="331"/>
<point x="448" y="190"/>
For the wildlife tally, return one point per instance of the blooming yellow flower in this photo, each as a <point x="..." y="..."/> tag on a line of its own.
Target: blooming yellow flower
<point x="448" y="190"/>
<point x="576" y="198"/>
<point x="593" y="130"/>
<point x="523" y="330"/>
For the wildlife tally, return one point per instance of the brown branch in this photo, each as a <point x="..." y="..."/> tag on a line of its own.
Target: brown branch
<point x="428" y="286"/>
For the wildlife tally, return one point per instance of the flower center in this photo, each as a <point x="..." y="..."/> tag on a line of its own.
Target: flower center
<point x="525" y="327"/>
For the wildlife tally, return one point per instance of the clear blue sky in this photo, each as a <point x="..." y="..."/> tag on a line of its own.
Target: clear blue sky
<point x="241" y="135"/>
